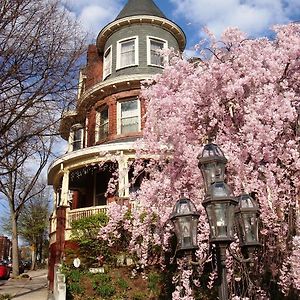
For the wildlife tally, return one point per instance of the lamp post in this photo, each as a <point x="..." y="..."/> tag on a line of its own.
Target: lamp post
<point x="226" y="215"/>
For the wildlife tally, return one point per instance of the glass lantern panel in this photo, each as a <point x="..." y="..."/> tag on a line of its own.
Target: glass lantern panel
<point x="211" y="219"/>
<point x="183" y="208"/>
<point x="230" y="218"/>
<point x="219" y="189"/>
<point x="221" y="220"/>
<point x="250" y="228"/>
<point x="247" y="202"/>
<point x="212" y="150"/>
<point x="194" y="229"/>
<point x="186" y="234"/>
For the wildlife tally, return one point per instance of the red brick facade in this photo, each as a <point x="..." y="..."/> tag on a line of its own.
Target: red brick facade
<point x="94" y="67"/>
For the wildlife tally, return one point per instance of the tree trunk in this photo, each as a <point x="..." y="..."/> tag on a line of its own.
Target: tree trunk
<point x="15" y="247"/>
<point x="33" y="257"/>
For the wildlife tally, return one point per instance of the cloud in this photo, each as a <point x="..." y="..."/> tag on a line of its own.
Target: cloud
<point x="94" y="14"/>
<point x="252" y="16"/>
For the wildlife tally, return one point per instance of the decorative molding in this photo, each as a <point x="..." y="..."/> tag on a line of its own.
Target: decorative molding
<point x="112" y="27"/>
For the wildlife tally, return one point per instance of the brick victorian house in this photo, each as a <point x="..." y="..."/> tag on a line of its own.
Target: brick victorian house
<point x="5" y="248"/>
<point x="108" y="117"/>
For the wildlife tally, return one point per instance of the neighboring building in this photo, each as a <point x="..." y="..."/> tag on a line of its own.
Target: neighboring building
<point x="5" y="248"/>
<point x="108" y="117"/>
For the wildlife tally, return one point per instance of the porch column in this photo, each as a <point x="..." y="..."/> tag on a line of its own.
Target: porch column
<point x="65" y="189"/>
<point x="123" y="176"/>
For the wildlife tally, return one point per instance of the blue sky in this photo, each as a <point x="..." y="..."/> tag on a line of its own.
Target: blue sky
<point x="252" y="16"/>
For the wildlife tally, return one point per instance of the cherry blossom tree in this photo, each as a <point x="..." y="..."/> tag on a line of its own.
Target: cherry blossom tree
<point x="244" y="95"/>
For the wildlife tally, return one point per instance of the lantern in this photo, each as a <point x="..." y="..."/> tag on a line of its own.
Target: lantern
<point x="220" y="208"/>
<point x="212" y="164"/>
<point x="247" y="213"/>
<point x="185" y="219"/>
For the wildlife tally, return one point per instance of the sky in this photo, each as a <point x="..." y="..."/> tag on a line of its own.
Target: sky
<point x="255" y="17"/>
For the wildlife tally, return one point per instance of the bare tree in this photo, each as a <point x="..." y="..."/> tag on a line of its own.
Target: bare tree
<point x="19" y="184"/>
<point x="40" y="49"/>
<point x="41" y="46"/>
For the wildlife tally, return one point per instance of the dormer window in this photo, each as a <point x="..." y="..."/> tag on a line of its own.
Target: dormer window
<point x="76" y="137"/>
<point x="154" y="58"/>
<point x="127" y="52"/>
<point x="102" y="128"/>
<point x="129" y="117"/>
<point x="107" y="62"/>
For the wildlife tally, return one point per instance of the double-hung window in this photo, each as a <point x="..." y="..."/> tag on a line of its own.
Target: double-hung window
<point x="102" y="128"/>
<point x="107" y="62"/>
<point x="127" y="52"/>
<point x="155" y="58"/>
<point x="76" y="137"/>
<point x="129" y="119"/>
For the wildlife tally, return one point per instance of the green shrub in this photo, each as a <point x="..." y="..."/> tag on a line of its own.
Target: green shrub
<point x="153" y="282"/>
<point x="122" y="283"/>
<point x="85" y="232"/>
<point x="75" y="288"/>
<point x="73" y="277"/>
<point x="102" y="284"/>
<point x="105" y="290"/>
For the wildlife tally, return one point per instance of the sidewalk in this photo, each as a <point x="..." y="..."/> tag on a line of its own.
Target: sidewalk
<point x="25" y="289"/>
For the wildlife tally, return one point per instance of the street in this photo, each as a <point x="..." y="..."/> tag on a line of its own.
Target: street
<point x="25" y="289"/>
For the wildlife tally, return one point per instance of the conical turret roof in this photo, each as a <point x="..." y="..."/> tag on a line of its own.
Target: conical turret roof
<point x="140" y="7"/>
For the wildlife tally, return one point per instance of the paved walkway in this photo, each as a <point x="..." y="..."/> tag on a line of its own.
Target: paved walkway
<point x="25" y="289"/>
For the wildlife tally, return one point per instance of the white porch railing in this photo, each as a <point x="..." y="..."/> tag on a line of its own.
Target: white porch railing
<point x="79" y="213"/>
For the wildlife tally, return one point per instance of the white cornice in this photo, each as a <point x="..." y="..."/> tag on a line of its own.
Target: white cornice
<point x="111" y="85"/>
<point x="82" y="155"/>
<point x="165" y="23"/>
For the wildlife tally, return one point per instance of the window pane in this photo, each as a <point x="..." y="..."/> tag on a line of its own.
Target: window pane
<point x="107" y="63"/>
<point x="156" y="58"/>
<point x="130" y="116"/>
<point x="127" y="53"/>
<point x="77" y="139"/>
<point x="130" y="125"/>
<point x="129" y="108"/>
<point x="103" y="125"/>
<point x="104" y="116"/>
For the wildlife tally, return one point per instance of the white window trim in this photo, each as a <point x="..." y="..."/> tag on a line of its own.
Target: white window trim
<point x="165" y="42"/>
<point x="136" y="52"/>
<point x="105" y="62"/>
<point x="119" y="123"/>
<point x="71" y="137"/>
<point x="81" y="84"/>
<point x="86" y="132"/>
<point x="97" y="129"/>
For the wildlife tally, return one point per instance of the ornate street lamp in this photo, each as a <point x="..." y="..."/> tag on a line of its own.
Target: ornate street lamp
<point x="247" y="213"/>
<point x="225" y="214"/>
<point x="220" y="208"/>
<point x="185" y="219"/>
<point x="212" y="164"/>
